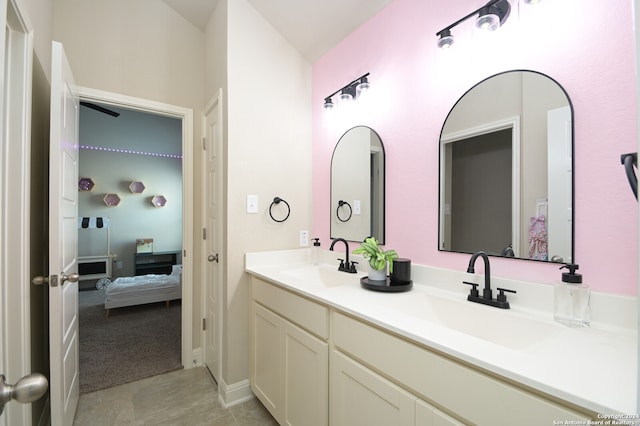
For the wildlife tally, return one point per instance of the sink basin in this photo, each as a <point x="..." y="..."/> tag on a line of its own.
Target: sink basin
<point x="499" y="326"/>
<point x="327" y="276"/>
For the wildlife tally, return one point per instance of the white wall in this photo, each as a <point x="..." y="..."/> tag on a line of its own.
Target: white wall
<point x="268" y="153"/>
<point x="112" y="172"/>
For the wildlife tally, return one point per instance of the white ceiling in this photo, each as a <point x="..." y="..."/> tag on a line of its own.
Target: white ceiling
<point x="312" y="26"/>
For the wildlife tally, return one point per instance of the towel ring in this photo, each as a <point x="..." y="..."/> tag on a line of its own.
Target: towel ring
<point x="278" y="200"/>
<point x="340" y="204"/>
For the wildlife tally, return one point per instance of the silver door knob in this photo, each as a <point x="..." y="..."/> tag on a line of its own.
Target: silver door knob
<point x="72" y="278"/>
<point x="39" y="280"/>
<point x="213" y="258"/>
<point x="27" y="389"/>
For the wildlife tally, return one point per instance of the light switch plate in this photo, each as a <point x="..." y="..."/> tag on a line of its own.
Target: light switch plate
<point x="356" y="207"/>
<point x="252" y="204"/>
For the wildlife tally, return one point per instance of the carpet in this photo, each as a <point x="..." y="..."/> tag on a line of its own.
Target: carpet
<point x="135" y="342"/>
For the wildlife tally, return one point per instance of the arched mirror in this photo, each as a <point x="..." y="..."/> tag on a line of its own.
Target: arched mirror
<point x="506" y="170"/>
<point x="357" y="186"/>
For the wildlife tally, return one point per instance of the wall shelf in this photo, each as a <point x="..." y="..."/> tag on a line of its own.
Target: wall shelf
<point x="137" y="187"/>
<point x="111" y="200"/>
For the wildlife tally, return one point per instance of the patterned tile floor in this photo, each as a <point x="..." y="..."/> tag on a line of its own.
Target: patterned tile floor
<point x="182" y="397"/>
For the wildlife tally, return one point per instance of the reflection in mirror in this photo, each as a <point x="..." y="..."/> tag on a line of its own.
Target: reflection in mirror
<point x="506" y="170"/>
<point x="357" y="186"/>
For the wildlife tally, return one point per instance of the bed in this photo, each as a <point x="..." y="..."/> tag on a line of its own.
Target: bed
<point x="142" y="289"/>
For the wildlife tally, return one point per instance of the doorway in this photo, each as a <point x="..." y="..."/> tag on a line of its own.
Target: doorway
<point x="185" y="116"/>
<point x="129" y="245"/>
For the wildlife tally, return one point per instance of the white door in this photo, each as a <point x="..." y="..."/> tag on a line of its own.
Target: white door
<point x="559" y="153"/>
<point x="63" y="241"/>
<point x="212" y="211"/>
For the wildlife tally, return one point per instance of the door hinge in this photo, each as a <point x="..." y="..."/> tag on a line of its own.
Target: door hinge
<point x="204" y="324"/>
<point x="204" y="144"/>
<point x="204" y="233"/>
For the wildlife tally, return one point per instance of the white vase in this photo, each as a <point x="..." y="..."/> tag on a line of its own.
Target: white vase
<point x="378" y="274"/>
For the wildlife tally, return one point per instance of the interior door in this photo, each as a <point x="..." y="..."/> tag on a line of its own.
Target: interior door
<point x="560" y="163"/>
<point x="63" y="241"/>
<point x="213" y="275"/>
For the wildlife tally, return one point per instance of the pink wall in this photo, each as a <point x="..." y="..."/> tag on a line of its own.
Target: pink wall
<point x="585" y="45"/>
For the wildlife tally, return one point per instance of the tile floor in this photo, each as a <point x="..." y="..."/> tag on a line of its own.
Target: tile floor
<point x="182" y="397"/>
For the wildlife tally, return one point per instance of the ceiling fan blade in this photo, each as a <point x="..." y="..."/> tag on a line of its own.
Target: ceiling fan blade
<point x="99" y="108"/>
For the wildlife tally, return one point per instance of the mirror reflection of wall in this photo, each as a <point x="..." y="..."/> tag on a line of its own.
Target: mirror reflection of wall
<point x="357" y="186"/>
<point x="506" y="158"/>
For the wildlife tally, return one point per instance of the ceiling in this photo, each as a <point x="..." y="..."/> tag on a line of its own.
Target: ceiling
<point x="313" y="27"/>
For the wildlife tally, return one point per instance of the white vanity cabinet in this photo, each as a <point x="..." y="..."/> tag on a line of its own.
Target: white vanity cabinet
<point x="363" y="353"/>
<point x="289" y="355"/>
<point x="359" y="396"/>
<point x="314" y="364"/>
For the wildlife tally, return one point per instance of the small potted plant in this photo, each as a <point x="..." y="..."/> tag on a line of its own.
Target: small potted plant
<point x="378" y="258"/>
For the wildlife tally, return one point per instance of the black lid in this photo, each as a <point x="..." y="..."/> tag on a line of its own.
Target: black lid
<point x="571" y="277"/>
<point x="316" y="242"/>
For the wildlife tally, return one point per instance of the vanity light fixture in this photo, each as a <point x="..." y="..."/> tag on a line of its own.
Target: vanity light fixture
<point x="349" y="92"/>
<point x="489" y="17"/>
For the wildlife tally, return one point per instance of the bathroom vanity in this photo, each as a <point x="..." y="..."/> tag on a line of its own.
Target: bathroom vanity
<point x="326" y="351"/>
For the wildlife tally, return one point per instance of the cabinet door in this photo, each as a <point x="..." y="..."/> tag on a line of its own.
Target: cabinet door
<point x="427" y="415"/>
<point x="361" y="397"/>
<point x="266" y="360"/>
<point x="306" y="378"/>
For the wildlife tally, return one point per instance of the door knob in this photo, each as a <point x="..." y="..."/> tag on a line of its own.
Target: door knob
<point x="213" y="258"/>
<point x="53" y="281"/>
<point x="39" y="280"/>
<point x="72" y="278"/>
<point x="27" y="389"/>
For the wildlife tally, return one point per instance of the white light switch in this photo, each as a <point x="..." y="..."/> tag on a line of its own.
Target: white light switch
<point x="356" y="206"/>
<point x="252" y="204"/>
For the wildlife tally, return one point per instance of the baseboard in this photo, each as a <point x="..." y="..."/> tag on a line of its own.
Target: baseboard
<point x="235" y="393"/>
<point x="45" y="415"/>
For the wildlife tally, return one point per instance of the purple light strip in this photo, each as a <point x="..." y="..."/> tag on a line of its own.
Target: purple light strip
<point x="128" y="151"/>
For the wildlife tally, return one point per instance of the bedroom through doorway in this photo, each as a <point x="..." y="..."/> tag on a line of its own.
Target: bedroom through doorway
<point x="130" y="244"/>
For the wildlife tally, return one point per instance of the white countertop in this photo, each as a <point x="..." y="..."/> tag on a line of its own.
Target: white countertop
<point x="595" y="368"/>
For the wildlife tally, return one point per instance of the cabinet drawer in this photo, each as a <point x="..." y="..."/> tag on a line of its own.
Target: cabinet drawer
<point x="469" y="393"/>
<point x="309" y="315"/>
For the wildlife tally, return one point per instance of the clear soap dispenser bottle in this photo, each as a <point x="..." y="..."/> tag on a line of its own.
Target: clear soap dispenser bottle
<point x="315" y="252"/>
<point x="571" y="299"/>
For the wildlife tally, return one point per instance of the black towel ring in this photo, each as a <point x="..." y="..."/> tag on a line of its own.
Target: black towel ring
<point x="278" y="200"/>
<point x="340" y="204"/>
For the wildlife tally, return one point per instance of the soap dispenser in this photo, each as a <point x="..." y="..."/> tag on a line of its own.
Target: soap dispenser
<point x="315" y="252"/>
<point x="571" y="299"/>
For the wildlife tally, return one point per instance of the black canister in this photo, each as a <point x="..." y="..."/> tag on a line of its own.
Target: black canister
<point x="401" y="271"/>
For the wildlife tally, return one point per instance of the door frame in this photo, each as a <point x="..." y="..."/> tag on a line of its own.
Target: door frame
<point x="186" y="116"/>
<point x="216" y="101"/>
<point x="512" y="123"/>
<point x="16" y="69"/>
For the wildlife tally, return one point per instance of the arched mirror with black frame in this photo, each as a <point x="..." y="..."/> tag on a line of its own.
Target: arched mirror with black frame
<point x="506" y="170"/>
<point x="358" y="185"/>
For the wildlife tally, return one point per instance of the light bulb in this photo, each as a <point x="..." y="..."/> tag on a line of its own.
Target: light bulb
<point x="363" y="86"/>
<point x="488" y="21"/>
<point x="328" y="104"/>
<point x="446" y="39"/>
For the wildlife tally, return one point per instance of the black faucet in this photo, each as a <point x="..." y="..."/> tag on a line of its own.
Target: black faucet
<point x="487" y="294"/>
<point x="345" y="266"/>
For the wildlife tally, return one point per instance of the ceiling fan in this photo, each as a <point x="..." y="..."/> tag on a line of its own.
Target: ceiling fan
<point x="100" y="108"/>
